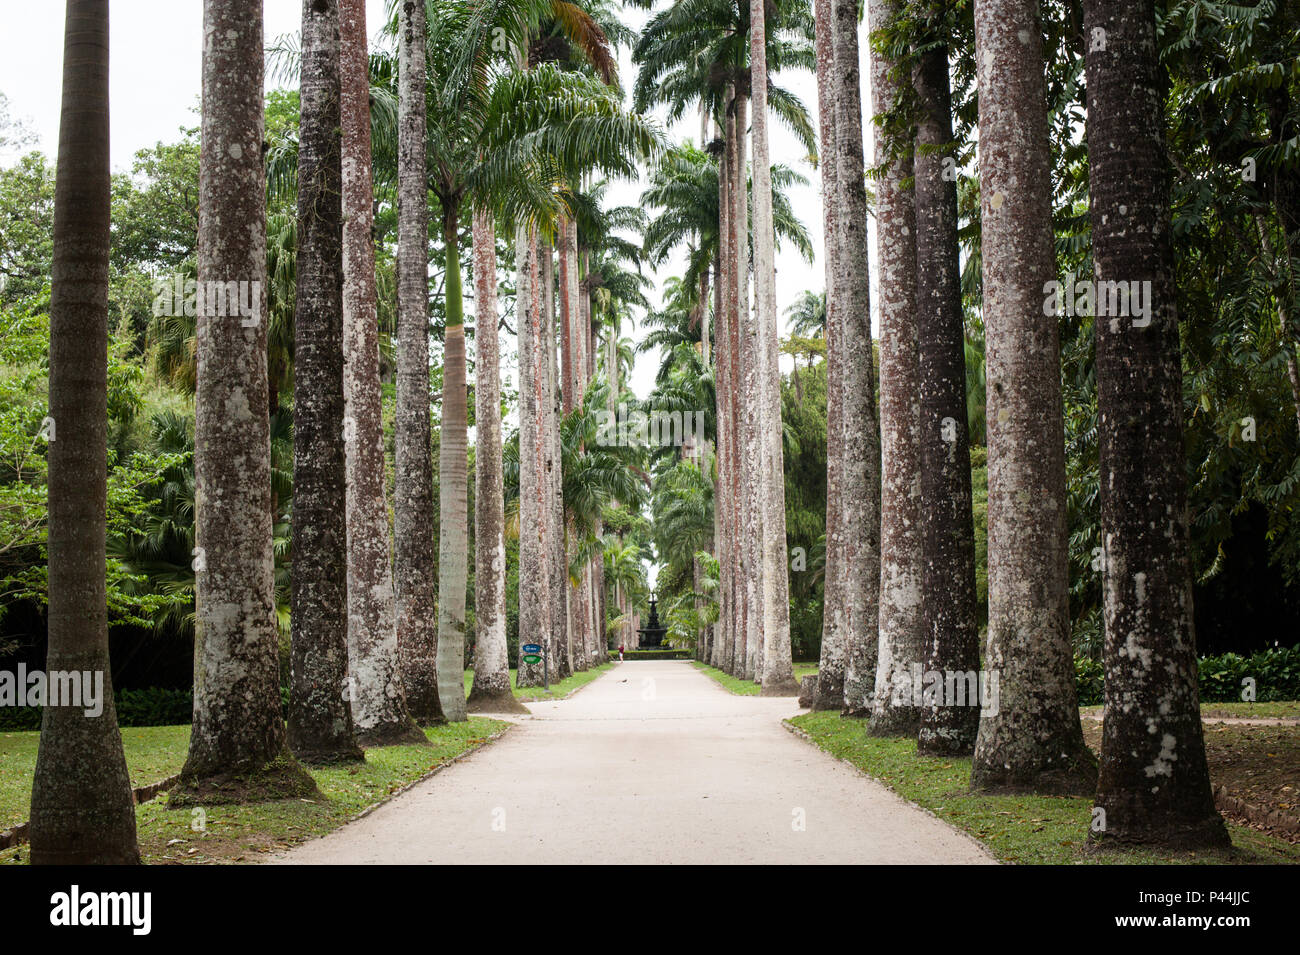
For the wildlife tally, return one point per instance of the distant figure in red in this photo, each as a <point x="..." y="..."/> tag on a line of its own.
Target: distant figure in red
<point x="620" y="653"/>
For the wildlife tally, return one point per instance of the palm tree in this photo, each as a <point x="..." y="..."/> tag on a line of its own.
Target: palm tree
<point x="900" y="635"/>
<point x="535" y="510"/>
<point x="377" y="697"/>
<point x="417" y="634"/>
<point x="320" y="719"/>
<point x="491" y="688"/>
<point x="696" y="52"/>
<point x="830" y="670"/>
<point x="859" y="501"/>
<point x="1034" y="740"/>
<point x="948" y="534"/>
<point x="82" y="809"/>
<point x="1154" y="786"/>
<point x="238" y="727"/>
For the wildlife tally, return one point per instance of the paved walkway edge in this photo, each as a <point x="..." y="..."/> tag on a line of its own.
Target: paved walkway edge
<point x="487" y="741"/>
<point x="807" y="738"/>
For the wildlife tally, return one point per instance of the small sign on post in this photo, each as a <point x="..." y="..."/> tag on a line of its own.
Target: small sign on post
<point x="532" y="656"/>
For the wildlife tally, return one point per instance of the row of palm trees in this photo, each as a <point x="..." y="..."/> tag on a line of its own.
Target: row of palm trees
<point x="497" y="118"/>
<point x="900" y="557"/>
<point x="918" y="604"/>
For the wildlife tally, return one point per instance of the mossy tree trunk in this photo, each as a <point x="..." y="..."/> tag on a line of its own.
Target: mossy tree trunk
<point x="1034" y="741"/>
<point x="320" y="719"/>
<point x="379" y="711"/>
<point x="1154" y="785"/>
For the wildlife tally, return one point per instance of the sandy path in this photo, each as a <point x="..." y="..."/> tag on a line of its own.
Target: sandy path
<point x="651" y="763"/>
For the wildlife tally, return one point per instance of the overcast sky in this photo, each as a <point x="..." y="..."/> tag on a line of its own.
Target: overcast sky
<point x="155" y="83"/>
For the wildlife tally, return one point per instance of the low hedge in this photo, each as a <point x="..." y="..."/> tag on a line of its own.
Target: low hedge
<point x="155" y="706"/>
<point x="1276" y="672"/>
<point x="669" y="653"/>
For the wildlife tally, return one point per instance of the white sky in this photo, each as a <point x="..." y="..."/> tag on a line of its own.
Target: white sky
<point x="155" y="82"/>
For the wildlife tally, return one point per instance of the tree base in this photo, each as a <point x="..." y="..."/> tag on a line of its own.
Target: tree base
<point x="118" y="855"/>
<point x="404" y="733"/>
<point x="1207" y="833"/>
<point x="501" y="701"/>
<point x="1075" y="776"/>
<point x="282" y="778"/>
<point x="830" y="693"/>
<point x="334" y="756"/>
<point x="787" y="687"/>
<point x="894" y="722"/>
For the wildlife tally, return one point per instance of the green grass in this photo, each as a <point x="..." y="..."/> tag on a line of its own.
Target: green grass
<point x="242" y="833"/>
<point x="1017" y="829"/>
<point x="747" y="687"/>
<point x="152" y="753"/>
<point x="1273" y="710"/>
<point x="533" y="694"/>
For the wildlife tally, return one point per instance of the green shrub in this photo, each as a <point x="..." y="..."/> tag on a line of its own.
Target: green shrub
<point x="155" y="706"/>
<point x="1088" y="681"/>
<point x="1276" y="672"/>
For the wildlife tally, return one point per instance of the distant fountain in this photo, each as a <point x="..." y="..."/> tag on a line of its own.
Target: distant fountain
<point x="652" y="634"/>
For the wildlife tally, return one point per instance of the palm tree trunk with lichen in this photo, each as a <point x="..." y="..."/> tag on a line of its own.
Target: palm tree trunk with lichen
<point x="490" y="692"/>
<point x="949" y="628"/>
<point x="1033" y="742"/>
<point x="377" y="697"/>
<point x="900" y="642"/>
<point x="861" y="463"/>
<point x="417" y="622"/>
<point x="320" y="718"/>
<point x="1154" y="785"/>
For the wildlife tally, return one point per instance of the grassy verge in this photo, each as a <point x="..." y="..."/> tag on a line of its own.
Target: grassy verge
<point x="1278" y="709"/>
<point x="1017" y="829"/>
<point x="152" y="753"/>
<point x="534" y="694"/>
<point x="746" y="687"/>
<point x="244" y="833"/>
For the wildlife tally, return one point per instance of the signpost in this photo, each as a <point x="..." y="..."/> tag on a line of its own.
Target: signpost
<point x="533" y="655"/>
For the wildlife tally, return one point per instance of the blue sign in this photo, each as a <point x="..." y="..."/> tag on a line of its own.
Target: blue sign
<point x="532" y="648"/>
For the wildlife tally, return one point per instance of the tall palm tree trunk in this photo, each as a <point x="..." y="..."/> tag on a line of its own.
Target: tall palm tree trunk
<point x="749" y="540"/>
<point x="1034" y="740"/>
<point x="949" y="627"/>
<point x="900" y="636"/>
<point x="490" y="692"/>
<point x="724" y="643"/>
<point x="417" y="633"/>
<point x="378" y="700"/>
<point x="830" y="672"/>
<point x="453" y="485"/>
<point x="861" y="464"/>
<point x="534" y="509"/>
<point x="238" y="727"/>
<point x="320" y="719"/>
<point x="1154" y="785"/>
<point x="777" y="673"/>
<point x="561" y="633"/>
<point x="82" y="811"/>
